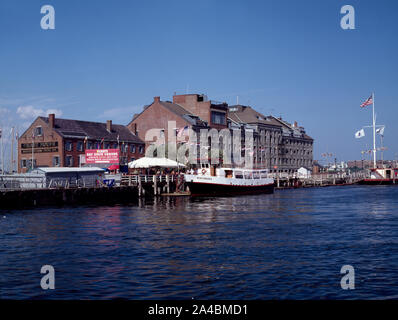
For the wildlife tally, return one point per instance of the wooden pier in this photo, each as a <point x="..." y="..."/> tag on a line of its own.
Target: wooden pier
<point x="132" y="187"/>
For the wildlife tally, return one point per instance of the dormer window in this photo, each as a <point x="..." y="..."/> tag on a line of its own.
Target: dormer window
<point x="218" y="117"/>
<point x="38" y="131"/>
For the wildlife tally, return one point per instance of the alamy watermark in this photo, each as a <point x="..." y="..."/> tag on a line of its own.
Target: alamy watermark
<point x="347" y="282"/>
<point x="185" y="145"/>
<point x="48" y="20"/>
<point x="48" y="280"/>
<point x="348" y="20"/>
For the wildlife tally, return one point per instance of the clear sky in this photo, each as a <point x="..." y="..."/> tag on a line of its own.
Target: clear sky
<point x="106" y="59"/>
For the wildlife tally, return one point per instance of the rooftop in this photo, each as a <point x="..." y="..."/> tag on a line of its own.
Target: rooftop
<point x="246" y="114"/>
<point x="92" y="130"/>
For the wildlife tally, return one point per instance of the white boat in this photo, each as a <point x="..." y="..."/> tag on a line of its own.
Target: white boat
<point x="381" y="176"/>
<point x="209" y="180"/>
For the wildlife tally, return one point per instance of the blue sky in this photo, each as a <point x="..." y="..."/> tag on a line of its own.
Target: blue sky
<point x="105" y="60"/>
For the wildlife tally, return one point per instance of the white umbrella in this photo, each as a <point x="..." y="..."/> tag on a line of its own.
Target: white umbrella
<point x="146" y="162"/>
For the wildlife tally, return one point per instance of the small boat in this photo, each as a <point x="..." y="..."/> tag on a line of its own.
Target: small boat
<point x="381" y="176"/>
<point x="211" y="181"/>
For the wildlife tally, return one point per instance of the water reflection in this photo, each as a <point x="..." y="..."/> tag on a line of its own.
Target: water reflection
<point x="291" y="244"/>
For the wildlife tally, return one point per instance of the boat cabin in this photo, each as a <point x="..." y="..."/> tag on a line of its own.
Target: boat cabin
<point x="384" y="173"/>
<point x="237" y="173"/>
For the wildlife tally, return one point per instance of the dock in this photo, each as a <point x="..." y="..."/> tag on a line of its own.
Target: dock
<point x="34" y="191"/>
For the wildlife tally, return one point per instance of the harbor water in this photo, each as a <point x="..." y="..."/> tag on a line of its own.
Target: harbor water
<point x="288" y="245"/>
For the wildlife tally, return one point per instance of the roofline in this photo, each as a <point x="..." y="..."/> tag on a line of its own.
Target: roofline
<point x="65" y="136"/>
<point x="188" y="113"/>
<point x="113" y="124"/>
<point x="37" y="118"/>
<point x="160" y="102"/>
<point x="139" y="114"/>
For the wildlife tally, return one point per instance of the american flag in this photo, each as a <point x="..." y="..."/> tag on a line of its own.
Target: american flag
<point x="367" y="102"/>
<point x="182" y="131"/>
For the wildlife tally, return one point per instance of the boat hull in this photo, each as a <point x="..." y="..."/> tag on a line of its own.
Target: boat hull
<point x="213" y="189"/>
<point x="378" y="181"/>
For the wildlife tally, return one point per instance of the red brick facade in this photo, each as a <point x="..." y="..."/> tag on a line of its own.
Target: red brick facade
<point x="158" y="115"/>
<point x="155" y="116"/>
<point x="55" y="148"/>
<point x="203" y="108"/>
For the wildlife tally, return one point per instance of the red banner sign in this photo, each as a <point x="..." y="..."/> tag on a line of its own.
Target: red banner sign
<point x="102" y="156"/>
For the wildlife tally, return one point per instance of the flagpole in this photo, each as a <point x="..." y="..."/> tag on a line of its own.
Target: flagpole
<point x="374" y="132"/>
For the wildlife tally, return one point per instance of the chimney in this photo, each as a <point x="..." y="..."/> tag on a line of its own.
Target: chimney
<point x="295" y="124"/>
<point x="135" y="128"/>
<point x="156" y="99"/>
<point x="109" y="125"/>
<point x="51" y="120"/>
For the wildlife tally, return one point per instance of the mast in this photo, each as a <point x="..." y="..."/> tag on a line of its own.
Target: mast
<point x="374" y="132"/>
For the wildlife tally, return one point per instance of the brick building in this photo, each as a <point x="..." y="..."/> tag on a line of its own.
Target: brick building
<point x="295" y="149"/>
<point x="267" y="133"/>
<point x="60" y="142"/>
<point x="214" y="113"/>
<point x="158" y="115"/>
<point x="278" y="145"/>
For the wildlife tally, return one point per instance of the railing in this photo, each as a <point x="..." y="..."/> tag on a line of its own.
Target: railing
<point x="133" y="180"/>
<point x="15" y="182"/>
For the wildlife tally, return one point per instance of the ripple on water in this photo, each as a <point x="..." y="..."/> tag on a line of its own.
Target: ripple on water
<point x="288" y="245"/>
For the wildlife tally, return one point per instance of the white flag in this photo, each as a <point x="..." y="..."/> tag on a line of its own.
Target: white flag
<point x="360" y="134"/>
<point x="380" y="131"/>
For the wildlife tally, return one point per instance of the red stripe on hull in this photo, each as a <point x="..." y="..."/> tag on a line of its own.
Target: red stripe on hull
<point x="212" y="189"/>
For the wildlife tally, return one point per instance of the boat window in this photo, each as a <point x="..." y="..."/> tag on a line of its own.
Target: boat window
<point x="238" y="175"/>
<point x="264" y="174"/>
<point x="228" y="173"/>
<point x="248" y="175"/>
<point x="256" y="175"/>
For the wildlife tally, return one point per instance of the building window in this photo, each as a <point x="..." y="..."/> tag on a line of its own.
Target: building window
<point x="79" y="146"/>
<point x="217" y="117"/>
<point x="132" y="159"/>
<point x="141" y="149"/>
<point x="132" y="148"/>
<point x="68" y="146"/>
<point x="106" y="145"/>
<point x="23" y="163"/>
<point x="28" y="163"/>
<point x="69" y="161"/>
<point x="115" y="146"/>
<point x="89" y="145"/>
<point x="56" y="161"/>
<point x="126" y="148"/>
<point x="38" y="131"/>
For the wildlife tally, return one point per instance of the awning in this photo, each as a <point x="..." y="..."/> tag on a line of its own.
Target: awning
<point x="113" y="167"/>
<point x="146" y="162"/>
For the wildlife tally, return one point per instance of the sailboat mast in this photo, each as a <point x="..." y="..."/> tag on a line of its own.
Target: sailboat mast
<point x="374" y="132"/>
